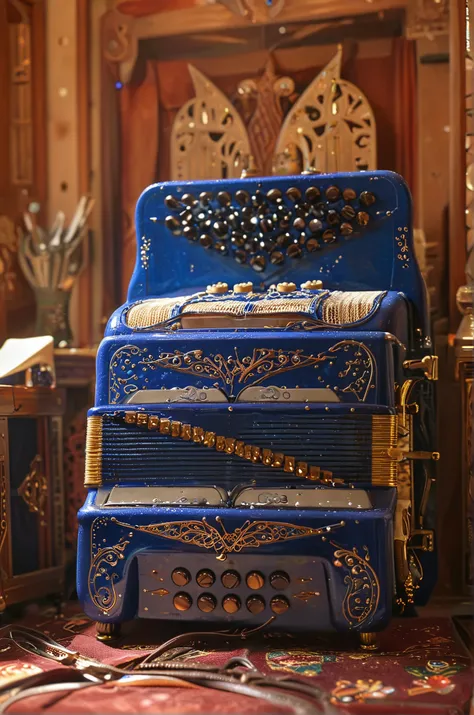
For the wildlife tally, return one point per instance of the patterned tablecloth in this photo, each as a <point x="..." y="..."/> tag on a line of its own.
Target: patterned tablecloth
<point x="421" y="667"/>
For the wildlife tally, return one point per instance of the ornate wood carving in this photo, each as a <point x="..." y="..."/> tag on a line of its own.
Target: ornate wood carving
<point x="120" y="42"/>
<point x="209" y="139"/>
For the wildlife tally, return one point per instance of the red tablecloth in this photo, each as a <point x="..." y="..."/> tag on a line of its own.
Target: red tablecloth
<point x="421" y="667"/>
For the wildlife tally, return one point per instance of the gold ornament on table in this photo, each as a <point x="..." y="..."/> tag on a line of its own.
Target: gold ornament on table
<point x="330" y="127"/>
<point x="51" y="261"/>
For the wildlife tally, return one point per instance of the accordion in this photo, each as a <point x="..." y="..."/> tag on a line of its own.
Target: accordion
<point x="260" y="449"/>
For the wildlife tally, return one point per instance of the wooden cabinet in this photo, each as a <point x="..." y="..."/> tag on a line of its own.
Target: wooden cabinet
<point x="31" y="494"/>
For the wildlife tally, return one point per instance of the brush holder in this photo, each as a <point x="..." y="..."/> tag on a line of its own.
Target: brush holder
<point x="52" y="315"/>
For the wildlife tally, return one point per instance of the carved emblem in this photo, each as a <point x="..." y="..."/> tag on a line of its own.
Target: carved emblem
<point x="34" y="488"/>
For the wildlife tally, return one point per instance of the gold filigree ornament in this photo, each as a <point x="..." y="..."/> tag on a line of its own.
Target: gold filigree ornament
<point x="251" y="535"/>
<point x="34" y="488"/>
<point x="363" y="587"/>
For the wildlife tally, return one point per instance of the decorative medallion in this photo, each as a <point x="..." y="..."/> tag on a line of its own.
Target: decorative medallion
<point x="363" y="588"/>
<point x="434" y="677"/>
<point x="298" y="661"/>
<point x="34" y="488"/>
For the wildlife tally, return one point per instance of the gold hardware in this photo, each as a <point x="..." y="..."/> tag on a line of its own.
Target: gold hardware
<point x="426" y="542"/>
<point x="231" y="445"/>
<point x="286" y="287"/>
<point x="93" y="468"/>
<point x="399" y="455"/>
<point x="243" y="287"/>
<point x="368" y="641"/>
<point x="312" y="285"/>
<point x="429" y="365"/>
<point x="251" y="169"/>
<point x="131" y="418"/>
<point x="217" y="288"/>
<point x="310" y="170"/>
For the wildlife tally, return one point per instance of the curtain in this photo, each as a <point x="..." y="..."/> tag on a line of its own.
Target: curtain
<point x="405" y="111"/>
<point x="139" y="146"/>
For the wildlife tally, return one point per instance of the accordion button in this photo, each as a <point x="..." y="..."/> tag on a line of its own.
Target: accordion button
<point x="172" y="202"/>
<point x="182" y="602"/>
<point x="243" y="287"/>
<point x="255" y="580"/>
<point x="312" y="285"/>
<point x="349" y="194"/>
<point x="230" y="579"/>
<point x="231" y="603"/>
<point x="242" y="197"/>
<point x="189" y="200"/>
<point x="180" y="577"/>
<point x="258" y="263"/>
<point x="279" y="604"/>
<point x="205" y="578"/>
<point x="224" y="198"/>
<point x="276" y="258"/>
<point x="333" y="217"/>
<point x="205" y="240"/>
<point x="293" y="193"/>
<point x="217" y="288"/>
<point x="294" y="251"/>
<point x="255" y="604"/>
<point x="173" y="225"/>
<point x="312" y="194"/>
<point x="312" y="245"/>
<point x="315" y="225"/>
<point x="363" y="218"/>
<point x="205" y="198"/>
<point x="367" y="198"/>
<point x="274" y="195"/>
<point x="279" y="580"/>
<point x="332" y="193"/>
<point x="348" y="212"/>
<point x="299" y="224"/>
<point x="286" y="287"/>
<point x="240" y="256"/>
<point x="346" y="229"/>
<point x="206" y="603"/>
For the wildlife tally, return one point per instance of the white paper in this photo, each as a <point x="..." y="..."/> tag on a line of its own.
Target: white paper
<point x="17" y="355"/>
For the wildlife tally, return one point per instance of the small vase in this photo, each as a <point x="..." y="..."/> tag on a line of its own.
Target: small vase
<point x="52" y="315"/>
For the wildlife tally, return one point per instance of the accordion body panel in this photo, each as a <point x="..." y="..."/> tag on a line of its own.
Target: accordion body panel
<point x="260" y="446"/>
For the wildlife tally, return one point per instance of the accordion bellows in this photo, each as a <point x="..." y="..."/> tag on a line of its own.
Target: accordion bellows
<point x="332" y="307"/>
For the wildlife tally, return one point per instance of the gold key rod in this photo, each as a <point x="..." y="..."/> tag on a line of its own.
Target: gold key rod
<point x="230" y="445"/>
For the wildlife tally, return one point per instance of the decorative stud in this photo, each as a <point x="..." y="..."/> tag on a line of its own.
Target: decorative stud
<point x="190" y="233"/>
<point x="349" y="194"/>
<point x="205" y="198"/>
<point x="348" y="212"/>
<point x="333" y="217"/>
<point x="286" y="287"/>
<point x="283" y="240"/>
<point x="293" y="193"/>
<point x="217" y="288"/>
<point x="299" y="224"/>
<point x="329" y="236"/>
<point x="312" y="194"/>
<point x="205" y="240"/>
<point x="240" y="257"/>
<point x="189" y="200"/>
<point x="312" y="285"/>
<point x="277" y="258"/>
<point x="224" y="198"/>
<point x="220" y="228"/>
<point x="294" y="251"/>
<point x="346" y="229"/>
<point x="243" y="287"/>
<point x="315" y="225"/>
<point x="312" y="245"/>
<point x="333" y="193"/>
<point x="274" y="195"/>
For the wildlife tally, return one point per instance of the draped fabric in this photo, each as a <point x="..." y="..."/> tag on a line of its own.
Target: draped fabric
<point x="150" y="103"/>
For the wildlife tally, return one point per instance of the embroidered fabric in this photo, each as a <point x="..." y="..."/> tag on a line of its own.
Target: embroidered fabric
<point x="341" y="307"/>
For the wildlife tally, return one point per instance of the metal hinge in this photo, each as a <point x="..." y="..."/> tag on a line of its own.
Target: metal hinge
<point x="400" y="455"/>
<point x="429" y="365"/>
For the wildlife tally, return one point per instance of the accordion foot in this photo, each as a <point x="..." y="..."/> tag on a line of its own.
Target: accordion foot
<point x="368" y="641"/>
<point x="107" y="631"/>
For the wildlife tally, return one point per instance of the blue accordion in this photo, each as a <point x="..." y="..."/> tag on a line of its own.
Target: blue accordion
<point x="260" y="450"/>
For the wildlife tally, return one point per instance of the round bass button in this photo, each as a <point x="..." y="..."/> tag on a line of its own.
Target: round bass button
<point x="279" y="604"/>
<point x="255" y="604"/>
<point x="206" y="603"/>
<point x="279" y="580"/>
<point x="230" y="579"/>
<point x="255" y="580"/>
<point x="205" y="578"/>
<point x="182" y="601"/>
<point x="181" y="576"/>
<point x="231" y="603"/>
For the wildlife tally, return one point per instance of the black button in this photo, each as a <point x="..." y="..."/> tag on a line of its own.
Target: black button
<point x="315" y="225"/>
<point x="231" y="603"/>
<point x="242" y="197"/>
<point x="258" y="263"/>
<point x="312" y="194"/>
<point x="333" y="217"/>
<point x="293" y="193"/>
<point x="189" y="200"/>
<point x="277" y="258"/>
<point x="172" y="202"/>
<point x="294" y="251"/>
<point x="274" y="195"/>
<point x="224" y="198"/>
<point x="312" y="245"/>
<point x="206" y="602"/>
<point x="332" y="193"/>
<point x="182" y="601"/>
<point x="255" y="580"/>
<point x="181" y="577"/>
<point x="205" y="240"/>
<point x="255" y="604"/>
<point x="279" y="580"/>
<point x="230" y="579"/>
<point x="205" y="578"/>
<point x="205" y="198"/>
<point x="279" y="604"/>
<point x="173" y="225"/>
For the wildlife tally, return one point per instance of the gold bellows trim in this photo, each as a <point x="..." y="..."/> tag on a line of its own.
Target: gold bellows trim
<point x="230" y="445"/>
<point x="339" y="308"/>
<point x="93" y="471"/>
<point x="384" y="436"/>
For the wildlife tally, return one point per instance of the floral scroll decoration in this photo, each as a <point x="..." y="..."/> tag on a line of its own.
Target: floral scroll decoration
<point x="434" y="677"/>
<point x="131" y="366"/>
<point x="401" y="240"/>
<point x="102" y="573"/>
<point x="298" y="661"/>
<point x="363" y="587"/>
<point x="361" y="691"/>
<point x="251" y="535"/>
